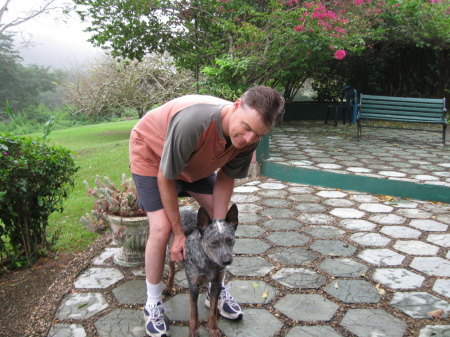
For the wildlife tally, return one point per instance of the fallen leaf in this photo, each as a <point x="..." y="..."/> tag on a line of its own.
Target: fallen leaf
<point x="336" y="285"/>
<point x="255" y="284"/>
<point x="82" y="305"/>
<point x="265" y="294"/>
<point x="436" y="313"/>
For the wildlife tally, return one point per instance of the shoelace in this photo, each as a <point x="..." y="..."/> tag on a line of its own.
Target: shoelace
<point x="156" y="314"/>
<point x="225" y="294"/>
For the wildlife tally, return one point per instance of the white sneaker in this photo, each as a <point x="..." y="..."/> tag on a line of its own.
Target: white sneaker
<point x="226" y="304"/>
<point x="156" y="323"/>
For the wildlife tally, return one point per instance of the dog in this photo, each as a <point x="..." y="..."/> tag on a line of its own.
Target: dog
<point x="209" y="249"/>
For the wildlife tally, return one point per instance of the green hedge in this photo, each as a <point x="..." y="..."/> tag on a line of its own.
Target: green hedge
<point x="35" y="179"/>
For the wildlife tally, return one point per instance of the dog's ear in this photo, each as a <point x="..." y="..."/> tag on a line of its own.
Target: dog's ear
<point x="232" y="216"/>
<point x="203" y="219"/>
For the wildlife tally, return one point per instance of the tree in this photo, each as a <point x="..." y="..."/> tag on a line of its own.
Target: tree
<point x="108" y="86"/>
<point x="43" y="7"/>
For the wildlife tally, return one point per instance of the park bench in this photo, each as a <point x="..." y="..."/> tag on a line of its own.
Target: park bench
<point x="402" y="109"/>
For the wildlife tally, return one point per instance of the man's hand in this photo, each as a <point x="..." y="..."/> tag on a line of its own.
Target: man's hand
<point x="177" y="251"/>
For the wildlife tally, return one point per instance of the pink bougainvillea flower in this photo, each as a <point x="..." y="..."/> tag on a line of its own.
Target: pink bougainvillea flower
<point x="340" y="54"/>
<point x="331" y="47"/>
<point x="300" y="28"/>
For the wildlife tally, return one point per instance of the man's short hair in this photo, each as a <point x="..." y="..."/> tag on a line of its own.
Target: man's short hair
<point x="267" y="101"/>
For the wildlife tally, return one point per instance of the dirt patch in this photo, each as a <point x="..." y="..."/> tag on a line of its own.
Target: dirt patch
<point x="21" y="290"/>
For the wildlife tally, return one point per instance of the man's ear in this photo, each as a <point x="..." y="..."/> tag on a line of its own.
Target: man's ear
<point x="203" y="219"/>
<point x="232" y="216"/>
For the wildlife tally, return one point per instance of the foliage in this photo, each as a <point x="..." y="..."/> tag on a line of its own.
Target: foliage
<point x="109" y="86"/>
<point x="110" y="200"/>
<point x="35" y="179"/>
<point x="239" y="43"/>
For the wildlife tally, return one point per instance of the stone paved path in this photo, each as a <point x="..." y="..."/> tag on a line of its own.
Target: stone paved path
<point x="309" y="261"/>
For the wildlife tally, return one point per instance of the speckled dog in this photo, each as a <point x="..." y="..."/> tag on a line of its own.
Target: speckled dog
<point x="209" y="249"/>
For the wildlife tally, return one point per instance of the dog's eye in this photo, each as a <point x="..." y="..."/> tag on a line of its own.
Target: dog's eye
<point x="229" y="241"/>
<point x="214" y="243"/>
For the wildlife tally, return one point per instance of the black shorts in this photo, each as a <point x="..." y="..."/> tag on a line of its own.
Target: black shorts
<point x="149" y="198"/>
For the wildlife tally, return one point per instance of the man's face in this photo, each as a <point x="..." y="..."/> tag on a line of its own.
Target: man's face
<point x="246" y="126"/>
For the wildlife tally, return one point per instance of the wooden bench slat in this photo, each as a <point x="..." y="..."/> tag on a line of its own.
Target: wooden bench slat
<point x="402" y="109"/>
<point x="403" y="99"/>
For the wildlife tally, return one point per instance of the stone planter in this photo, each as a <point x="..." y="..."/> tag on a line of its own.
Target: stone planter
<point x="131" y="235"/>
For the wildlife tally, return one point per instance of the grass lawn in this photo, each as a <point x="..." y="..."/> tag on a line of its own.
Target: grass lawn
<point x="100" y="149"/>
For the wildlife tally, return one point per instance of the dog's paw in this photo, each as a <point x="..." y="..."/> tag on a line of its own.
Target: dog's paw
<point x="215" y="333"/>
<point x="167" y="291"/>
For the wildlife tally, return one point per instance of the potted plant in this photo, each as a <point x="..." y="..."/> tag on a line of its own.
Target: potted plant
<point x="116" y="209"/>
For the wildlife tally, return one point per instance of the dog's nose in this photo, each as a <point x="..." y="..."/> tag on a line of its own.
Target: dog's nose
<point x="227" y="262"/>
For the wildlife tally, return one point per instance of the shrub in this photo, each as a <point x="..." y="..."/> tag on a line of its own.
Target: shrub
<point x="35" y="179"/>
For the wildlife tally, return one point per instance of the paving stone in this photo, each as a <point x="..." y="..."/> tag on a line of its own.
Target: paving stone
<point x="82" y="306"/>
<point x="96" y="278"/>
<point x="370" y="239"/>
<point x="398" y="278"/>
<point x="288" y="239"/>
<point x="307" y="307"/>
<point x="280" y="213"/>
<point x="244" y="198"/>
<point x="179" y="307"/>
<point x="131" y="292"/>
<point x="414" y="213"/>
<point x="301" y="190"/>
<point x="414" y="247"/>
<point x="442" y="286"/>
<point x="376" y="208"/>
<point x="183" y="331"/>
<point x="276" y="203"/>
<point x="324" y="232"/>
<point x="106" y="254"/>
<point x="373" y="322"/>
<point x="299" y="278"/>
<point x="429" y="225"/>
<point x="350" y="213"/>
<point x="246" y="189"/>
<point x="312" y="331"/>
<point x="311" y="208"/>
<point x="293" y="256"/>
<point x="121" y="322"/>
<point x="357" y="225"/>
<point x="338" y="203"/>
<point x="249" y="231"/>
<point x="272" y="186"/>
<point x="435" y="331"/>
<point x="249" y="208"/>
<point x="332" y="194"/>
<point x="418" y="304"/>
<point x="282" y="224"/>
<point x="364" y="198"/>
<point x="67" y="330"/>
<point x="250" y="266"/>
<point x="273" y="193"/>
<point x="333" y="248"/>
<point x="315" y="219"/>
<point x="343" y="267"/>
<point x="304" y="198"/>
<point x="256" y="292"/>
<point x="402" y="203"/>
<point x="400" y="232"/>
<point x="387" y="219"/>
<point x="255" y="323"/>
<point x="432" y="266"/>
<point x="245" y="218"/>
<point x="250" y="246"/>
<point x="353" y="291"/>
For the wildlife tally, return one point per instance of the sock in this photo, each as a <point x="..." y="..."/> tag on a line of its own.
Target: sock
<point x="153" y="294"/>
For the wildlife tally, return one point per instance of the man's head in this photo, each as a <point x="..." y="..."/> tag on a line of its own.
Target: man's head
<point x="253" y="115"/>
<point x="267" y="102"/>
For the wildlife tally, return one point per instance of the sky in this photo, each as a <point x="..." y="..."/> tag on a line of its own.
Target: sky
<point x="55" y="43"/>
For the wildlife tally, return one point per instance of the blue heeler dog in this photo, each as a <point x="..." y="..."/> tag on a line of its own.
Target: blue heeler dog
<point x="209" y="249"/>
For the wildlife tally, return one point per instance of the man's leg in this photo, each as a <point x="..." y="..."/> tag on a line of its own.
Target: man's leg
<point x="156" y="323"/>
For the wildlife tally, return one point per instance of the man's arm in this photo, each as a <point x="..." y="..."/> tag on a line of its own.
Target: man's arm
<point x="169" y="198"/>
<point x="223" y="189"/>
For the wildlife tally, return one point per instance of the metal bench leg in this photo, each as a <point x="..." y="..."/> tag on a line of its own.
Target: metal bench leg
<point x="358" y="131"/>
<point x="443" y="133"/>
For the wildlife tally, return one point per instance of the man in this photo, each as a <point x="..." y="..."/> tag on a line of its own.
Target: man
<point x="177" y="148"/>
